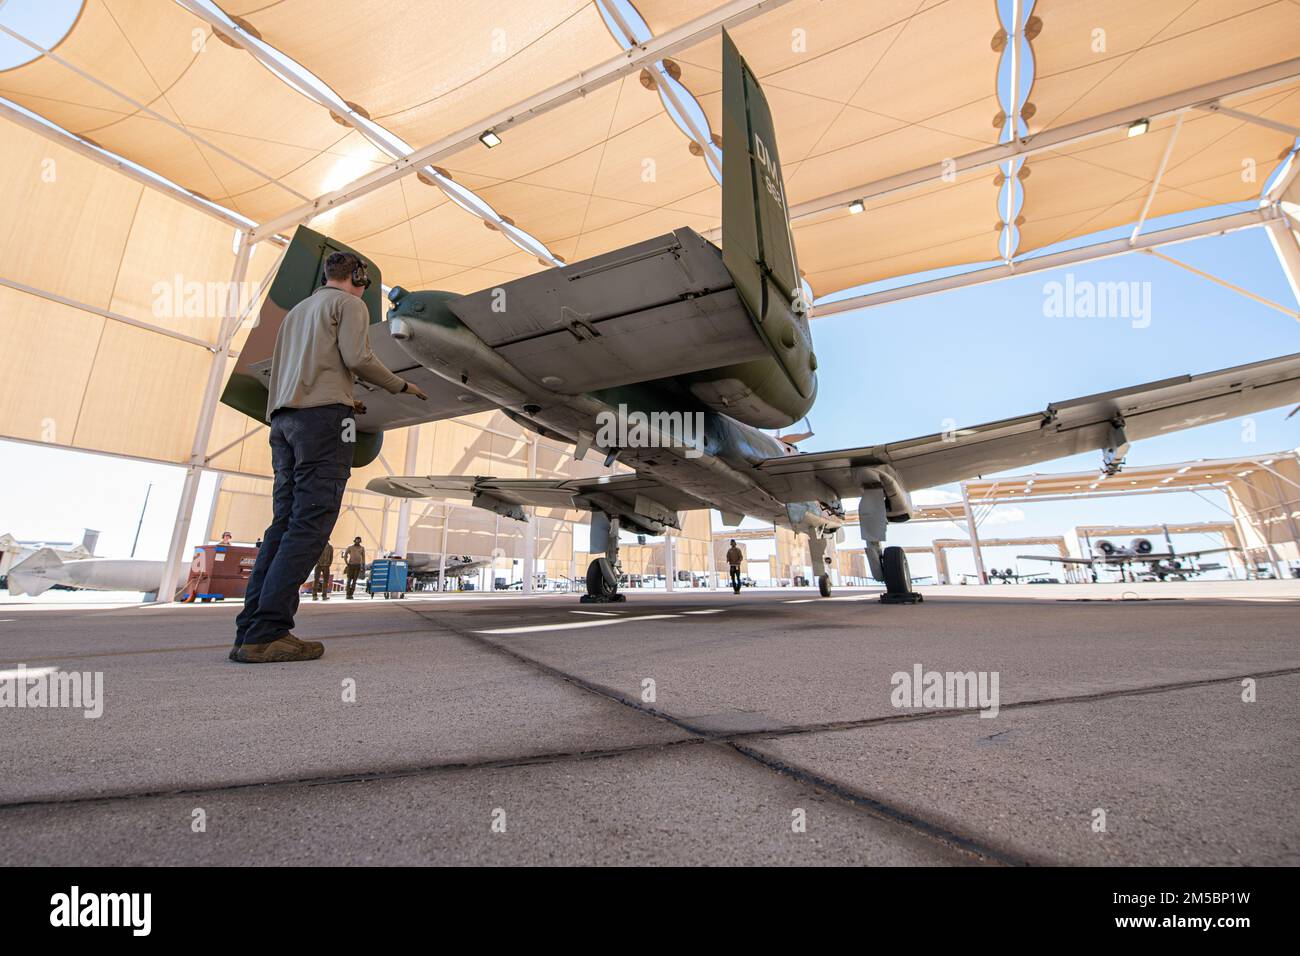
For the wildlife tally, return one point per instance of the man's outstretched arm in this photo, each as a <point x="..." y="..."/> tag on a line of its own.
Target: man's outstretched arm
<point x="354" y="346"/>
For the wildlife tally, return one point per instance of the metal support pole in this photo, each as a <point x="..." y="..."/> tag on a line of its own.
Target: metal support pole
<point x="670" y="559"/>
<point x="404" y="509"/>
<point x="203" y="430"/>
<point x="1286" y="512"/>
<point x="530" y="528"/>
<point x="212" y="508"/>
<point x="1264" y="531"/>
<point x="974" y="535"/>
<point x="442" y="557"/>
<point x="573" y="556"/>
<point x="1287" y="249"/>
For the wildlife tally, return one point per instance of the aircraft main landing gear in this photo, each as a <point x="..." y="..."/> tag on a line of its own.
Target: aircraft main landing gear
<point x="898" y="580"/>
<point x="603" y="573"/>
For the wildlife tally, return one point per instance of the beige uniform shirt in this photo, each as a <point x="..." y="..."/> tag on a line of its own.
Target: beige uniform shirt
<point x="355" y="554"/>
<point x="321" y="344"/>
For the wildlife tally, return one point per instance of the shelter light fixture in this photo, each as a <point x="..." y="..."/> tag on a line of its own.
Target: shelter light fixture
<point x="857" y="206"/>
<point x="1138" y="128"/>
<point x="490" y="139"/>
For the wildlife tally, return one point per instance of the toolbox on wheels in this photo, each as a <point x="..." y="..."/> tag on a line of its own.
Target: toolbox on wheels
<point x="387" y="577"/>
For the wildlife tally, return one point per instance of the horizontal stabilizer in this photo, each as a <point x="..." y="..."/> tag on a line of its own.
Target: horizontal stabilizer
<point x="659" y="308"/>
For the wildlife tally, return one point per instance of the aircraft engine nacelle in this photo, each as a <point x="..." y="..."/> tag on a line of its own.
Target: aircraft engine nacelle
<point x="1105" y="547"/>
<point x="1142" y="546"/>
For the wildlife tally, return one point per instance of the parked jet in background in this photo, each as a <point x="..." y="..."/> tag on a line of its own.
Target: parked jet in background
<point x="424" y="565"/>
<point x="1153" y="565"/>
<point x="45" y="569"/>
<point x="13" y="551"/>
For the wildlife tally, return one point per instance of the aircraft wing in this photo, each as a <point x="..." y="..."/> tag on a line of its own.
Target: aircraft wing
<point x="1056" y="559"/>
<point x="1199" y="554"/>
<point x="1063" y="428"/>
<point x="630" y="495"/>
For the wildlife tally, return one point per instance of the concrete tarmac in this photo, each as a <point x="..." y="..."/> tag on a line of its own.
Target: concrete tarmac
<point x="695" y="727"/>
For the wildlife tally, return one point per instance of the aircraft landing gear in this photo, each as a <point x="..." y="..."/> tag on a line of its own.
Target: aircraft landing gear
<point x="817" y="551"/>
<point x="603" y="573"/>
<point x="898" y="580"/>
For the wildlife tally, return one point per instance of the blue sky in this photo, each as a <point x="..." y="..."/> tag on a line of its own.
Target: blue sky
<point x="891" y="372"/>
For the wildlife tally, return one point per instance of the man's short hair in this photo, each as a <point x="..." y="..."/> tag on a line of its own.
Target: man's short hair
<point x="357" y="540"/>
<point x="340" y="265"/>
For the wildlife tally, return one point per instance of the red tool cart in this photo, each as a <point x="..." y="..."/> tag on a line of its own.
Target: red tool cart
<point x="218" y="572"/>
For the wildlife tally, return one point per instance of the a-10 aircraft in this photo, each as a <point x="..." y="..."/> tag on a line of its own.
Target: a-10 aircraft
<point x="1153" y="565"/>
<point x="673" y="331"/>
<point x="421" y="565"/>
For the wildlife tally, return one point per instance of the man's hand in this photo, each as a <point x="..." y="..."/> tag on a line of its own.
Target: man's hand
<point x="358" y="408"/>
<point x="413" y="389"/>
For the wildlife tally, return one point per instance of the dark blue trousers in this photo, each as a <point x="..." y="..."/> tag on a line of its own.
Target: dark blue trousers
<point x="312" y="463"/>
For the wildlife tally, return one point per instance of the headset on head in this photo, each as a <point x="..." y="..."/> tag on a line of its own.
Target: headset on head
<point x="360" y="277"/>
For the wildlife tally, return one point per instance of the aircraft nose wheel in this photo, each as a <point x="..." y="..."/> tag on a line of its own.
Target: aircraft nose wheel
<point x="898" y="579"/>
<point x="824" y="585"/>
<point x="602" y="584"/>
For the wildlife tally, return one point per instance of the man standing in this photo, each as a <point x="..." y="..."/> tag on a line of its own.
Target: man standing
<point x="355" y="558"/>
<point x="734" y="557"/>
<point x="320" y="582"/>
<point x="321" y="344"/>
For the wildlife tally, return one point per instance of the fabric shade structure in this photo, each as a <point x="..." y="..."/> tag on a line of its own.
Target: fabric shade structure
<point x="861" y="94"/>
<point x="106" y="295"/>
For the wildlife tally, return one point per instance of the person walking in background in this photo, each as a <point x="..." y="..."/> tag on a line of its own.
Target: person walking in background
<point x="321" y="345"/>
<point x="320" y="582"/>
<point x="355" y="559"/>
<point x="734" y="557"/>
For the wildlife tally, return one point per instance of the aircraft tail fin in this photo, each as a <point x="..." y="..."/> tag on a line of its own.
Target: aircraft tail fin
<point x="757" y="247"/>
<point x="26" y="577"/>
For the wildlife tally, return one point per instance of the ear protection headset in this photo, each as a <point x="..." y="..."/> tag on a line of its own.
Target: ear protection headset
<point x="360" y="277"/>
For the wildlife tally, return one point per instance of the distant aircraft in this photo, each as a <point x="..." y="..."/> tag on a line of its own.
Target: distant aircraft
<point x="44" y="569"/>
<point x="1008" y="576"/>
<point x="423" y="565"/>
<point x="13" y="551"/>
<point x="1157" y="566"/>
<point x="694" y="351"/>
